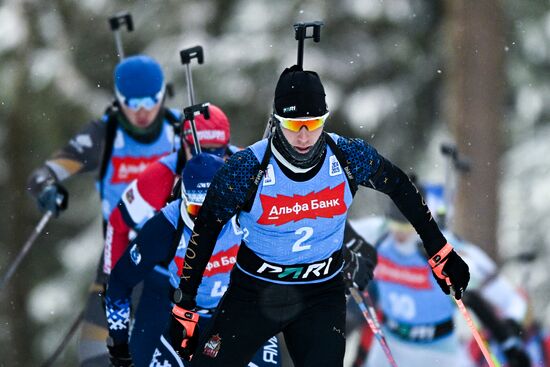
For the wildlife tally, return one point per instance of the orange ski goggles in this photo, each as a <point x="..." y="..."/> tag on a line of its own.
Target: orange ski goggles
<point x="193" y="204"/>
<point x="193" y="209"/>
<point x="295" y="124"/>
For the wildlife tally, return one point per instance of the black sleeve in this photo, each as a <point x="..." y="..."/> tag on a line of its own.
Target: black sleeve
<point x="150" y="248"/>
<point x="81" y="154"/>
<point x="85" y="147"/>
<point x="372" y="170"/>
<point x="396" y="184"/>
<point x="225" y="198"/>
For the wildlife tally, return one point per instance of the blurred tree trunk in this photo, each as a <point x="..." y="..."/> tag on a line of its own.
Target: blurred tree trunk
<point x="476" y="84"/>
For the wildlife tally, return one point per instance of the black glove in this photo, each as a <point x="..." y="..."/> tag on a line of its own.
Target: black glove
<point x="119" y="355"/>
<point x="355" y="242"/>
<point x="54" y="198"/>
<point x="184" y="332"/>
<point x="358" y="271"/>
<point x="516" y="356"/>
<point x="447" y="266"/>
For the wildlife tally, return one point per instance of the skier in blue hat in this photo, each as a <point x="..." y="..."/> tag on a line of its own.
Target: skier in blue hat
<point x="136" y="130"/>
<point x="160" y="247"/>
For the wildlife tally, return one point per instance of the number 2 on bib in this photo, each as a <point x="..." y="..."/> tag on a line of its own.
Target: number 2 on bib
<point x="306" y="233"/>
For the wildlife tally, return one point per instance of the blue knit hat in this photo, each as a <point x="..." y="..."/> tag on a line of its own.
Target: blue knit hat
<point x="139" y="76"/>
<point x="197" y="175"/>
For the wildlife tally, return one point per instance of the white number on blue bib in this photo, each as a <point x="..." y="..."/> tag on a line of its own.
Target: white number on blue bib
<point x="402" y="306"/>
<point x="307" y="233"/>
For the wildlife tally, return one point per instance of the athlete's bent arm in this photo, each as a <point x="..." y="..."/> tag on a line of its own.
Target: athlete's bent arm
<point x="148" y="249"/>
<point x="143" y="197"/>
<point x="81" y="154"/>
<point x="372" y="170"/>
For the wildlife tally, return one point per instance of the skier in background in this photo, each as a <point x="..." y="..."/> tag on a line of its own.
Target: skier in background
<point x="151" y="190"/>
<point x="134" y="132"/>
<point x="145" y="196"/>
<point x="417" y="318"/>
<point x="161" y="244"/>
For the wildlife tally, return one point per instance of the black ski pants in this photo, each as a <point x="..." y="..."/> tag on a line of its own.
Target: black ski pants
<point x="310" y="316"/>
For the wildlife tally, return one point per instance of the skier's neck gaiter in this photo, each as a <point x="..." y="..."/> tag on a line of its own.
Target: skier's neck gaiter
<point x="142" y="135"/>
<point x="290" y="155"/>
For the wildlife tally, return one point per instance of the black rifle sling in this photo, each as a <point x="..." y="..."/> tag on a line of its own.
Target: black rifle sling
<point x="343" y="162"/>
<point x="256" y="183"/>
<point x="175" y="243"/>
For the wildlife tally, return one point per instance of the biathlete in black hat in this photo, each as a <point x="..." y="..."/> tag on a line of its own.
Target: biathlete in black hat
<point x="291" y="194"/>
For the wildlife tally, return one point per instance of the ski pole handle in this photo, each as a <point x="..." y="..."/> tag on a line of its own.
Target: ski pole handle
<point x="189" y="114"/>
<point x="300" y="34"/>
<point x="449" y="150"/>
<point x="457" y="163"/>
<point x="460" y="162"/>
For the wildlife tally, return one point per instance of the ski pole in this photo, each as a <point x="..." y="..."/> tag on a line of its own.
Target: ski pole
<point x="367" y="309"/>
<point x="300" y="35"/>
<point x="187" y="55"/>
<point x="57" y="352"/>
<point x="116" y="21"/>
<point x="477" y="336"/>
<point x="26" y="247"/>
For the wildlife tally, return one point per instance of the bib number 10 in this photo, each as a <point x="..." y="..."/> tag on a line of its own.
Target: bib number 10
<point x="306" y="233"/>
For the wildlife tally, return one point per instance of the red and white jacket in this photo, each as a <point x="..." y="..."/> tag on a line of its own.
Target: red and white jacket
<point x="145" y="196"/>
<point x="141" y="200"/>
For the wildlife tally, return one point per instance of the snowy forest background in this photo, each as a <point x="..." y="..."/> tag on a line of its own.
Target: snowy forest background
<point x="407" y="75"/>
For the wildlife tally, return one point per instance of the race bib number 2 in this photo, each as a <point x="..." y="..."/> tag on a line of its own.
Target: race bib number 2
<point x="306" y="233"/>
